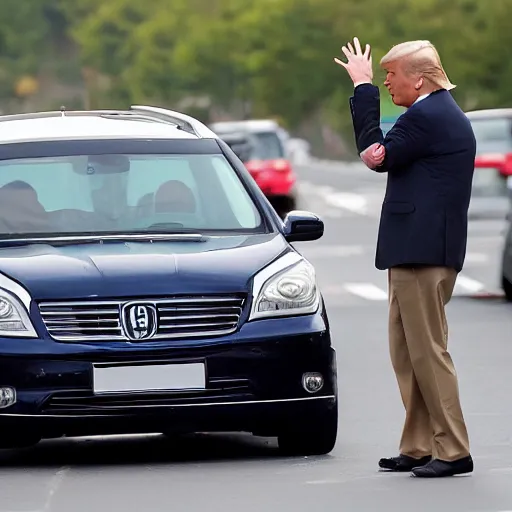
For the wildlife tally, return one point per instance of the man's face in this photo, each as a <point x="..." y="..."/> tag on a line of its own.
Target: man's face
<point x="401" y="85"/>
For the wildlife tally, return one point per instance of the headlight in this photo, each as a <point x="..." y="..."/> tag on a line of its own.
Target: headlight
<point x="285" y="288"/>
<point x="14" y="319"/>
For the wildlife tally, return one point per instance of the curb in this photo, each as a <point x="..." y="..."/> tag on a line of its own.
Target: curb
<point x="488" y="295"/>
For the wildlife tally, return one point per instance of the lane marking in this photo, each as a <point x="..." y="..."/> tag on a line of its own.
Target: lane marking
<point x="367" y="291"/>
<point x="55" y="484"/>
<point x="468" y="284"/>
<point x="476" y="257"/>
<point x="355" y="203"/>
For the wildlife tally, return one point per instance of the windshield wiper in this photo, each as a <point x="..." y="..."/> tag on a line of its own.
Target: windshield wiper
<point x="185" y="236"/>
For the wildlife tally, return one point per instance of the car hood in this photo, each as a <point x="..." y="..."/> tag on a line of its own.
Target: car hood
<point x="140" y="269"/>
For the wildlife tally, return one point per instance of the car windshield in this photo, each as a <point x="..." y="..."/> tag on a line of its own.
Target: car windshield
<point x="268" y="146"/>
<point x="123" y="194"/>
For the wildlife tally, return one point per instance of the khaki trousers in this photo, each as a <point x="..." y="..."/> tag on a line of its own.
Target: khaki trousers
<point x="418" y="337"/>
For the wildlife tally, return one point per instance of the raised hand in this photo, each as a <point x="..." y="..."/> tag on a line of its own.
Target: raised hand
<point x="359" y="65"/>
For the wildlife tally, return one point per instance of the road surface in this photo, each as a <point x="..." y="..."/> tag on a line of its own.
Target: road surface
<point x="228" y="473"/>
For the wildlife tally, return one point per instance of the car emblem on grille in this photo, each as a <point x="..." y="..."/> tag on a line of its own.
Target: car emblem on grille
<point x="139" y="321"/>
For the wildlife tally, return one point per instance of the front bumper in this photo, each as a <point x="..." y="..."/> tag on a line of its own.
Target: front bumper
<point x="264" y="418"/>
<point x="253" y="382"/>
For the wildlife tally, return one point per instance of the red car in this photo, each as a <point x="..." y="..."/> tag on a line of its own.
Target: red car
<point x="261" y="145"/>
<point x="493" y="133"/>
<point x="493" y="162"/>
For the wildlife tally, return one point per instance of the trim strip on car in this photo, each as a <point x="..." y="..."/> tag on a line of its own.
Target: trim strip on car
<point x="209" y="404"/>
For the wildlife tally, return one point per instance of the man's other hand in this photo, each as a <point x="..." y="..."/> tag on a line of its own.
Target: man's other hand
<point x="359" y="65"/>
<point x="374" y="155"/>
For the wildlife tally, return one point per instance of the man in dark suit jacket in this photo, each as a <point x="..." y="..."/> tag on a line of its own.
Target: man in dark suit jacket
<point x="429" y="158"/>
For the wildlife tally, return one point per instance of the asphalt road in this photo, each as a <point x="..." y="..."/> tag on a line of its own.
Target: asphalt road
<point x="228" y="473"/>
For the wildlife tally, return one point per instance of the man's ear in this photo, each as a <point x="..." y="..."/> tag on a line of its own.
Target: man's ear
<point x="419" y="84"/>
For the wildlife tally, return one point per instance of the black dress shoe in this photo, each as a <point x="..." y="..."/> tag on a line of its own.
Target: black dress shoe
<point x="440" y="468"/>
<point x="403" y="463"/>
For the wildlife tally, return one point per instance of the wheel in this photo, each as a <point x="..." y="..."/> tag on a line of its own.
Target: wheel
<point x="507" y="288"/>
<point x="316" y="436"/>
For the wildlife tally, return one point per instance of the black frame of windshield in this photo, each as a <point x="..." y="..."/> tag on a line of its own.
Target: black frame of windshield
<point x="77" y="147"/>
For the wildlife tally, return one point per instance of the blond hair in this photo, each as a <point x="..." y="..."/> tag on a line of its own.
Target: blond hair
<point x="420" y="57"/>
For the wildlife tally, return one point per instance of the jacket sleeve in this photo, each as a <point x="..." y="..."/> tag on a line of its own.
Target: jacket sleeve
<point x="365" y="110"/>
<point x="404" y="143"/>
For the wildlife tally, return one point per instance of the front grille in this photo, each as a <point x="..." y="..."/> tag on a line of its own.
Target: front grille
<point x="179" y="317"/>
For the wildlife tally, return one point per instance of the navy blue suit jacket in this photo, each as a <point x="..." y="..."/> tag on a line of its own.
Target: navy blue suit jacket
<point x="430" y="158"/>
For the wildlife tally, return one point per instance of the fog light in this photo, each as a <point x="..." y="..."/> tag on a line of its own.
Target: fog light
<point x="312" y="382"/>
<point x="7" y="397"/>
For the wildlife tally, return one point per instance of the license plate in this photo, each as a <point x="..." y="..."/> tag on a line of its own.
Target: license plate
<point x="154" y="377"/>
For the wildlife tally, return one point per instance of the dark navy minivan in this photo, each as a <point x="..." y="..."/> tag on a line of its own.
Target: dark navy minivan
<point x="147" y="286"/>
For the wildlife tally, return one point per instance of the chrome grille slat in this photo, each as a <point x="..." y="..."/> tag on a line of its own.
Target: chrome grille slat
<point x="70" y="304"/>
<point x="197" y="317"/>
<point x="75" y="329"/>
<point x="178" y="317"/>
<point x="80" y="312"/>
<point x="193" y="326"/>
<point x="219" y="309"/>
<point x="71" y="321"/>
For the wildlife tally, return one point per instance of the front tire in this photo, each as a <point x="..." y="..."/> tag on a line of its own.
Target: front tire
<point x="315" y="436"/>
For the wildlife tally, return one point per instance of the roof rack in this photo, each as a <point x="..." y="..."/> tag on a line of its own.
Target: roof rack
<point x="142" y="112"/>
<point x="184" y="121"/>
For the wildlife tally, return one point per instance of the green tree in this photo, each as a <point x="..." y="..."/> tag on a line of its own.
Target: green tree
<point x="275" y="55"/>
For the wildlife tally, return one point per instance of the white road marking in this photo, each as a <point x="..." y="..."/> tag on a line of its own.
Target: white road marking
<point x="54" y="486"/>
<point x="367" y="291"/>
<point x="355" y="203"/>
<point x="466" y="284"/>
<point x="476" y="257"/>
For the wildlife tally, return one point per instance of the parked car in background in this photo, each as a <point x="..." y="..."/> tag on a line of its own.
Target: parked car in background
<point x="146" y="285"/>
<point x="506" y="259"/>
<point x="493" y="162"/>
<point x="243" y="144"/>
<point x="269" y="162"/>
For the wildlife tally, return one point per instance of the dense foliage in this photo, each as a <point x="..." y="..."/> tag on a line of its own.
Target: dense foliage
<point x="274" y="55"/>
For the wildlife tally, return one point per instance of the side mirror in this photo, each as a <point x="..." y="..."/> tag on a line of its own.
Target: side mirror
<point x="300" y="226"/>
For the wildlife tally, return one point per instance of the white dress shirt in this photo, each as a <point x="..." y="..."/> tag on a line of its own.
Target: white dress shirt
<point x="422" y="97"/>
